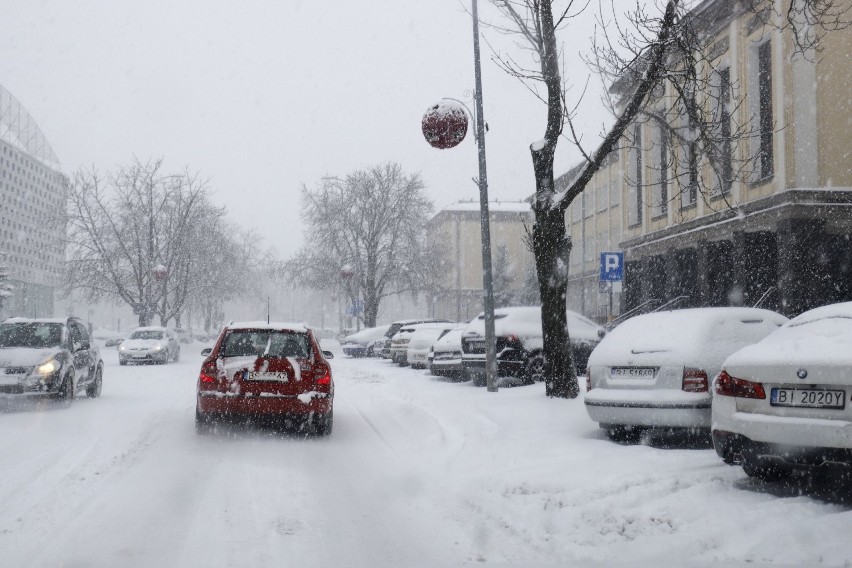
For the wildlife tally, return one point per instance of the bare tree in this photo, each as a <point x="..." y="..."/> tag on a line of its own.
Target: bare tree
<point x="662" y="48"/>
<point x="136" y="236"/>
<point x="366" y="236"/>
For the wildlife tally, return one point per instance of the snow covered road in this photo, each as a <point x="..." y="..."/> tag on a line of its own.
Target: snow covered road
<point x="418" y="472"/>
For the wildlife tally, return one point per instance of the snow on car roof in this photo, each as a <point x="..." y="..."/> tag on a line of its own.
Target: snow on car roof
<point x="35" y="320"/>
<point x="689" y="335"/>
<point x="275" y="325"/>
<point x="525" y="321"/>
<point x="817" y="337"/>
<point x="151" y="328"/>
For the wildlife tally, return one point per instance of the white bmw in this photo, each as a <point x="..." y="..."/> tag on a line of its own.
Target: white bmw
<point x="785" y="402"/>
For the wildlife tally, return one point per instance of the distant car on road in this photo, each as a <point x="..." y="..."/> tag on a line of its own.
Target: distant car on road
<point x="266" y="370"/>
<point x="654" y="370"/>
<point x="520" y="343"/>
<point x="786" y="403"/>
<point x="54" y="357"/>
<point x="150" y="344"/>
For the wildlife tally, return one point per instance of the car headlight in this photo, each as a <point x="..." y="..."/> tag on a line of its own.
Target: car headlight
<point x="47" y="369"/>
<point x="158" y="347"/>
<point x="121" y="347"/>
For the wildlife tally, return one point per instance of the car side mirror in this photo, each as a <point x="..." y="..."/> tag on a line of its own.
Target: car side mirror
<point x="601" y="333"/>
<point x="328" y="354"/>
<point x="206" y="351"/>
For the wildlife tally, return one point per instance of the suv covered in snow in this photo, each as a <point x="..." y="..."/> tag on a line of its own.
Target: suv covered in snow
<point x="55" y="357"/>
<point x="396" y="326"/>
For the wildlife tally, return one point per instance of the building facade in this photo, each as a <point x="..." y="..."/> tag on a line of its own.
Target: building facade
<point x="32" y="212"/>
<point x="456" y="229"/>
<point x="781" y="235"/>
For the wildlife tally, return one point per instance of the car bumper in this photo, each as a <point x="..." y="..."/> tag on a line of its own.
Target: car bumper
<point x="733" y="447"/>
<point x="278" y="405"/>
<point x="143" y="355"/>
<point x="635" y="408"/>
<point x="780" y="431"/>
<point x="446" y="366"/>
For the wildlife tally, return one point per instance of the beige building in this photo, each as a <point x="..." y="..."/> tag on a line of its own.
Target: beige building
<point x="783" y="233"/>
<point x="457" y="229"/>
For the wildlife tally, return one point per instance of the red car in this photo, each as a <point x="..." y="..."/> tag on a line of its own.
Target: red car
<point x="266" y="370"/>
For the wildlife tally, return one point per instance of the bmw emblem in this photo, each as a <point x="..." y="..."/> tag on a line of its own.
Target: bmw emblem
<point x="802" y="374"/>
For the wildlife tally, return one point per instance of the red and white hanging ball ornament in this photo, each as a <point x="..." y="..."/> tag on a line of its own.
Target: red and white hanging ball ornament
<point x="160" y="272"/>
<point x="445" y="124"/>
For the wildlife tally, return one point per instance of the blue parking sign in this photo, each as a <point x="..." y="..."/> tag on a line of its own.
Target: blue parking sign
<point x="612" y="266"/>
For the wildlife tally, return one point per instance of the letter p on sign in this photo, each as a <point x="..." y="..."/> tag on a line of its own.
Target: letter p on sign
<point x="612" y="266"/>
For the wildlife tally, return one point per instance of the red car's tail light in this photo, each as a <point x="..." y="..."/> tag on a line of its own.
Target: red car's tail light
<point x="208" y="372"/>
<point x="726" y="385"/>
<point x="322" y="374"/>
<point x="695" y="380"/>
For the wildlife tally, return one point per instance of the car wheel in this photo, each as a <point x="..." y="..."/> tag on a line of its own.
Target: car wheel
<point x="534" y="369"/>
<point x="622" y="433"/>
<point x="325" y="424"/>
<point x="177" y="355"/>
<point x="204" y="423"/>
<point x="765" y="470"/>
<point x="479" y="379"/>
<point x="94" y="389"/>
<point x="66" y="390"/>
<point x="122" y="361"/>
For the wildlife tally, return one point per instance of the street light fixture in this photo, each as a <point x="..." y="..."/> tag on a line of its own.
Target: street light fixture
<point x="442" y="122"/>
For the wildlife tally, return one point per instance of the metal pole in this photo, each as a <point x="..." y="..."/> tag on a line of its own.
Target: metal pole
<point x="488" y="300"/>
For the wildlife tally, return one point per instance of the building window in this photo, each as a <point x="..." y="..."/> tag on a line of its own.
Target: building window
<point x="761" y="107"/>
<point x="660" y="170"/>
<point x="634" y="181"/>
<point x="722" y="130"/>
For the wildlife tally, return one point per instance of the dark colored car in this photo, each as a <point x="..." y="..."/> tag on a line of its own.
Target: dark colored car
<point x="520" y="344"/>
<point x="52" y="357"/>
<point x="266" y="370"/>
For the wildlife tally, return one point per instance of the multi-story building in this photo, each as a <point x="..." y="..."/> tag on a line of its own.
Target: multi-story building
<point x="32" y="208"/>
<point x="457" y="229"/>
<point x="782" y="234"/>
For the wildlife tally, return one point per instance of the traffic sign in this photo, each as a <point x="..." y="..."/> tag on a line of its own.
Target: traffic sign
<point x="612" y="266"/>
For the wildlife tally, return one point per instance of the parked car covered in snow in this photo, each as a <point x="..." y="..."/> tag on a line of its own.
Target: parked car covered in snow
<point x="654" y="370"/>
<point x="396" y="326"/>
<point x="150" y="344"/>
<point x="402" y="339"/>
<point x="266" y="370"/>
<point x="519" y="343"/>
<point x="786" y="402"/>
<point x="360" y="344"/>
<point x="445" y="357"/>
<point x="421" y="342"/>
<point x="53" y="357"/>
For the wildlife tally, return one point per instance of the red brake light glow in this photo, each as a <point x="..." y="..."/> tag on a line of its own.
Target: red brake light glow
<point x="322" y="374"/>
<point x="726" y="385"/>
<point x="208" y="372"/>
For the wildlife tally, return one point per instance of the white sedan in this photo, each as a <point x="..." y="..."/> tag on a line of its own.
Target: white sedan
<point x="784" y="403"/>
<point x="654" y="370"/>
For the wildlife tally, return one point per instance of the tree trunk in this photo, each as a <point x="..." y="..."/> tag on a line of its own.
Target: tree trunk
<point x="552" y="249"/>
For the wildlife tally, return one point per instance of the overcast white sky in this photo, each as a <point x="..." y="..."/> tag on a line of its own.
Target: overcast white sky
<point x="263" y="96"/>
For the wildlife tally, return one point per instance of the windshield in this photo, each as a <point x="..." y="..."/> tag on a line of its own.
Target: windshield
<point x="146" y="334"/>
<point x="246" y="343"/>
<point x="34" y="335"/>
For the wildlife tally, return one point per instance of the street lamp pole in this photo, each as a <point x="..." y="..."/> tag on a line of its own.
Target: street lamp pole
<point x="487" y="283"/>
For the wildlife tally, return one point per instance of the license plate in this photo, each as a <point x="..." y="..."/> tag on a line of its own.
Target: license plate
<point x="808" y="398"/>
<point x="268" y="376"/>
<point x="632" y="372"/>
